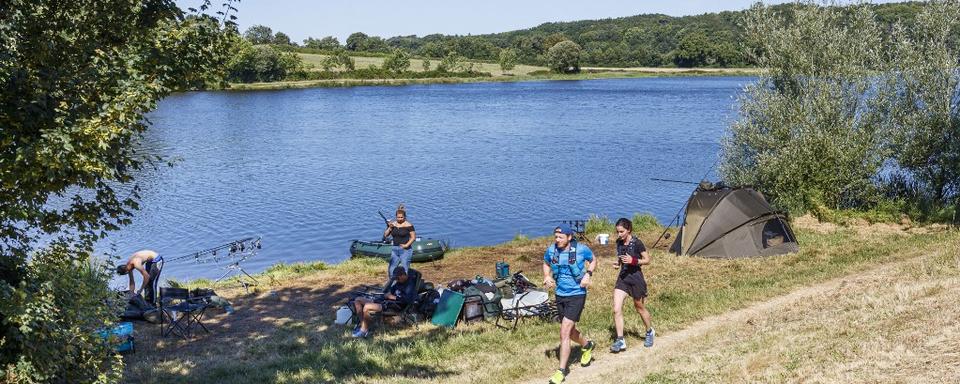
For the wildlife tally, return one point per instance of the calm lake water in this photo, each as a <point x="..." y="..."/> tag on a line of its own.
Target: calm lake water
<point x="475" y="164"/>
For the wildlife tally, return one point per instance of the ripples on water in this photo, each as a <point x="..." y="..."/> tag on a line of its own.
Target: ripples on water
<point x="475" y="163"/>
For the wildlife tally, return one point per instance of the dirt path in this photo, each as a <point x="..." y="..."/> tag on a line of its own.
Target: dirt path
<point x="638" y="362"/>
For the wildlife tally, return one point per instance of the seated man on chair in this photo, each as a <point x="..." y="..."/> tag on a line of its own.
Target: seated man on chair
<point x="401" y="293"/>
<point x="148" y="263"/>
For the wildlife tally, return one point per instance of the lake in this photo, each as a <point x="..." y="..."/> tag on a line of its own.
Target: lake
<point x="475" y="164"/>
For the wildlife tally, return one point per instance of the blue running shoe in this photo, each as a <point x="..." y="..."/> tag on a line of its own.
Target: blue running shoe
<point x="618" y="346"/>
<point x="648" y="340"/>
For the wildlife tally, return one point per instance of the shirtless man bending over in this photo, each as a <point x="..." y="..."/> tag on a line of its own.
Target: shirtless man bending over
<point x="145" y="261"/>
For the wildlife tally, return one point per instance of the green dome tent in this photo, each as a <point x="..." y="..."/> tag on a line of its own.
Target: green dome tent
<point x="725" y="222"/>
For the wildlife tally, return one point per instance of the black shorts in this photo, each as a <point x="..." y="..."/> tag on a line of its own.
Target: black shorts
<point x="570" y="307"/>
<point x="633" y="284"/>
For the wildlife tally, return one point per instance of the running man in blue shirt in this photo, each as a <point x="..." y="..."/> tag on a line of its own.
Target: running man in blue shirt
<point x="569" y="266"/>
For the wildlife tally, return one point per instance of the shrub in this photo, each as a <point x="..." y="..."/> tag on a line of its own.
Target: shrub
<point x="836" y="123"/>
<point x="508" y="59"/>
<point x="805" y="136"/>
<point x="599" y="224"/>
<point x="57" y="308"/>
<point x="645" y="222"/>
<point x="397" y="62"/>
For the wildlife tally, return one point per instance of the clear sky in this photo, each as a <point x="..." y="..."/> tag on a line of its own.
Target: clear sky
<point x="386" y="18"/>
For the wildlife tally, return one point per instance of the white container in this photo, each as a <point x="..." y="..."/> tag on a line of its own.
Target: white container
<point x="343" y="315"/>
<point x="603" y="238"/>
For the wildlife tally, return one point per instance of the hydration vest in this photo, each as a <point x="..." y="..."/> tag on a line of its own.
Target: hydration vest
<point x="570" y="263"/>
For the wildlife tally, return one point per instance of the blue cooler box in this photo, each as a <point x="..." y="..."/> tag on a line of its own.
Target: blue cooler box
<point x="120" y="336"/>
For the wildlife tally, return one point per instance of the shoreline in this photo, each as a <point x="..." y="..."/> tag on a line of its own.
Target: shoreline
<point x="589" y="73"/>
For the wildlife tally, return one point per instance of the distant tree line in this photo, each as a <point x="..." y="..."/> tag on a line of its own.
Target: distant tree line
<point x="651" y="40"/>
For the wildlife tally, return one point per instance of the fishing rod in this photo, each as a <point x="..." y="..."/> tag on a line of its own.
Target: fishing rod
<point x="664" y="234"/>
<point x="248" y="243"/>
<point x="674" y="181"/>
<point x="386" y="221"/>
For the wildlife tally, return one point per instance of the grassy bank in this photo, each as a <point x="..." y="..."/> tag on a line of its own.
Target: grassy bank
<point x="283" y="333"/>
<point x="624" y="74"/>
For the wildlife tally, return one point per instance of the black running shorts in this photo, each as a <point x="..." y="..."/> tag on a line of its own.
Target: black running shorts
<point x="633" y="284"/>
<point x="570" y="307"/>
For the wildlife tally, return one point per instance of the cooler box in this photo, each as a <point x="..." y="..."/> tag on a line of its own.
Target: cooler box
<point x="120" y="336"/>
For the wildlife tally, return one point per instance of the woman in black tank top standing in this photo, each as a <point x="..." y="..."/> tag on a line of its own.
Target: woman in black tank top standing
<point x="403" y="237"/>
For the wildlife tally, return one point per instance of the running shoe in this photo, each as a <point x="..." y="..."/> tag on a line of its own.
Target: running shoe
<point x="648" y="340"/>
<point x="618" y="346"/>
<point x="586" y="354"/>
<point x="360" y="334"/>
<point x="559" y="376"/>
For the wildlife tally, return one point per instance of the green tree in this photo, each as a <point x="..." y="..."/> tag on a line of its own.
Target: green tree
<point x="328" y="43"/>
<point x="451" y="63"/>
<point x="433" y="49"/>
<point x="553" y="40"/>
<point x="356" y="41"/>
<point x="508" y="59"/>
<point x="263" y="63"/>
<point x="259" y="34"/>
<point x="694" y="50"/>
<point x="339" y="59"/>
<point x="282" y="39"/>
<point x="564" y="57"/>
<point x="426" y="65"/>
<point x="374" y="44"/>
<point x="806" y="135"/>
<point x="397" y="62"/>
<point x="923" y="90"/>
<point x="78" y="79"/>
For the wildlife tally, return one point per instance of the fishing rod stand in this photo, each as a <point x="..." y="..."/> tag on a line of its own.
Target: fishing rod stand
<point x="236" y="252"/>
<point x="236" y="272"/>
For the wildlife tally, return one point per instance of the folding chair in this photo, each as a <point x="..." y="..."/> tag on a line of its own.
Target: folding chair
<point x="406" y="313"/>
<point x="174" y="301"/>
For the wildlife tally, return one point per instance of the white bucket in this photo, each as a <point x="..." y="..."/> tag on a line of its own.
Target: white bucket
<point x="603" y="238"/>
<point x="343" y="315"/>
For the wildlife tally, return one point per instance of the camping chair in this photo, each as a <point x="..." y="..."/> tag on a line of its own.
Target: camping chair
<point x="191" y="310"/>
<point x="406" y="313"/>
<point x="546" y="310"/>
<point x="521" y="308"/>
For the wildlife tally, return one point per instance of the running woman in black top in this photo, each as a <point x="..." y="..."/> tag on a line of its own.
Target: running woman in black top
<point x="631" y="254"/>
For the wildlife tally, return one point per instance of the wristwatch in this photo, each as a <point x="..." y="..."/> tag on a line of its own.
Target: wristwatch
<point x="590" y="273"/>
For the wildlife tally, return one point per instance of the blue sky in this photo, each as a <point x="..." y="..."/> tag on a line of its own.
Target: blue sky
<point x="301" y="18"/>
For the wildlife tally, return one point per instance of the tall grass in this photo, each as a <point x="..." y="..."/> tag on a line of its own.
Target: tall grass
<point x="642" y="222"/>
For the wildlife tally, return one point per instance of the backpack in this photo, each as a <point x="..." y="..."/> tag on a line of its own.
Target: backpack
<point x="571" y="263"/>
<point x="427" y="303"/>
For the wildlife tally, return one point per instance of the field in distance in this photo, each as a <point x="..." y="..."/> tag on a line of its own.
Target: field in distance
<point x="416" y="64"/>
